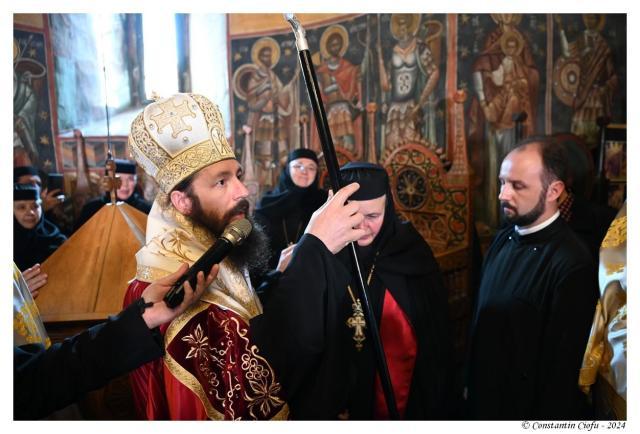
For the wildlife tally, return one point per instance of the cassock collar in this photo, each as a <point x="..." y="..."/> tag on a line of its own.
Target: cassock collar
<point x="539" y="227"/>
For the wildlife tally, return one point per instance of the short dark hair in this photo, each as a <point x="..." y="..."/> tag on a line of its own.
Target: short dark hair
<point x="185" y="186"/>
<point x="555" y="160"/>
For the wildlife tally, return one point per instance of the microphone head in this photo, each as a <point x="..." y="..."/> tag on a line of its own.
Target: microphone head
<point x="237" y="231"/>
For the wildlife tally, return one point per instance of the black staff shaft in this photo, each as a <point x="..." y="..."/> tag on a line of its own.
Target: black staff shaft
<point x="331" y="161"/>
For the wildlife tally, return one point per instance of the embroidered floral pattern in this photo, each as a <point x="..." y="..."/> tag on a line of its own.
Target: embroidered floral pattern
<point x="198" y="344"/>
<point x="174" y="241"/>
<point x="217" y="367"/>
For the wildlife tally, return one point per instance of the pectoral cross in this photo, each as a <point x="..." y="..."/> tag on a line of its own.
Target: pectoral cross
<point x="357" y="322"/>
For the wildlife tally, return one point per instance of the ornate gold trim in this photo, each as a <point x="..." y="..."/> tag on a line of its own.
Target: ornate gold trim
<point x="614" y="267"/>
<point x="215" y="123"/>
<point x="146" y="273"/>
<point x="259" y="377"/>
<point x="617" y="233"/>
<point x="181" y="374"/>
<point x="188" y="162"/>
<point x="227" y="302"/>
<point x="145" y="149"/>
<point x="169" y="170"/>
<point x="25" y="325"/>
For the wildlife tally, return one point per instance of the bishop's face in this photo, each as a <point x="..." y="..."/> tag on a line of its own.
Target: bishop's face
<point x="373" y="211"/>
<point x="522" y="193"/>
<point x="218" y="196"/>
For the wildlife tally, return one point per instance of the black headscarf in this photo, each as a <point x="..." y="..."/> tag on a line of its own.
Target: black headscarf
<point x="125" y="166"/>
<point x="374" y="183"/>
<point x="287" y="196"/>
<point x="31" y="246"/>
<point x="398" y="248"/>
<point x="19" y="171"/>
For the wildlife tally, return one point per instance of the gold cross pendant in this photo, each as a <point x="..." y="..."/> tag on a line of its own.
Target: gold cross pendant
<point x="357" y="322"/>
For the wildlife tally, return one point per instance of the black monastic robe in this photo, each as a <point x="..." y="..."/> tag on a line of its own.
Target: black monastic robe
<point x="285" y="211"/>
<point x="34" y="246"/>
<point x="303" y="330"/>
<point x="530" y="326"/>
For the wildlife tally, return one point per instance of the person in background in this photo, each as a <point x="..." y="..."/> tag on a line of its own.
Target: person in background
<point x="126" y="171"/>
<point x="34" y="237"/>
<point x="55" y="205"/>
<point x="536" y="299"/>
<point x="589" y="220"/>
<point x="30" y="175"/>
<point x="285" y="211"/>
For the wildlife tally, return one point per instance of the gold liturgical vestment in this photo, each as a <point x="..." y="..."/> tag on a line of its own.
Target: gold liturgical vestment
<point x="605" y="361"/>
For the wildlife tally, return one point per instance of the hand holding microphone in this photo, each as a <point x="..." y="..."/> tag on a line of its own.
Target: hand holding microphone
<point x="233" y="235"/>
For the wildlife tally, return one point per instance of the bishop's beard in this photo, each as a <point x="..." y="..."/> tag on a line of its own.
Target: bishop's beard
<point x="253" y="253"/>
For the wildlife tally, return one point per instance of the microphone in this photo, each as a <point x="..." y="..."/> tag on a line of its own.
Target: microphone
<point x="233" y="235"/>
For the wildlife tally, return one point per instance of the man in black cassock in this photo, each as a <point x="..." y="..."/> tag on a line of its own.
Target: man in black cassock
<point x="310" y="329"/>
<point x="536" y="300"/>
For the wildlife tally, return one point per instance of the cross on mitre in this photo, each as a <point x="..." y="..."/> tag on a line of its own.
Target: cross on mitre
<point x="172" y="115"/>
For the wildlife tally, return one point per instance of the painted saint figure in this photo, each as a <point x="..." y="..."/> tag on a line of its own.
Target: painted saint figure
<point x="597" y="78"/>
<point x="340" y="87"/>
<point x="270" y="106"/>
<point x="506" y="82"/>
<point x="410" y="78"/>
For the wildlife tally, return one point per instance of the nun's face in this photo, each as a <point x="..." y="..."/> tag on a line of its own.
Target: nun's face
<point x="27" y="212"/>
<point x="373" y="211"/>
<point x="127" y="187"/>
<point x="303" y="171"/>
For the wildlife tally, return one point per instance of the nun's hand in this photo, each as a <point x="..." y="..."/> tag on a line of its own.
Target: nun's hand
<point x="334" y="222"/>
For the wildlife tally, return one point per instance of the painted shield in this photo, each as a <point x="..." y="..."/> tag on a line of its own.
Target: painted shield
<point x="566" y="77"/>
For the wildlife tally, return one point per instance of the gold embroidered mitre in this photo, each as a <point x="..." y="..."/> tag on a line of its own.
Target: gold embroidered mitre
<point x="177" y="136"/>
